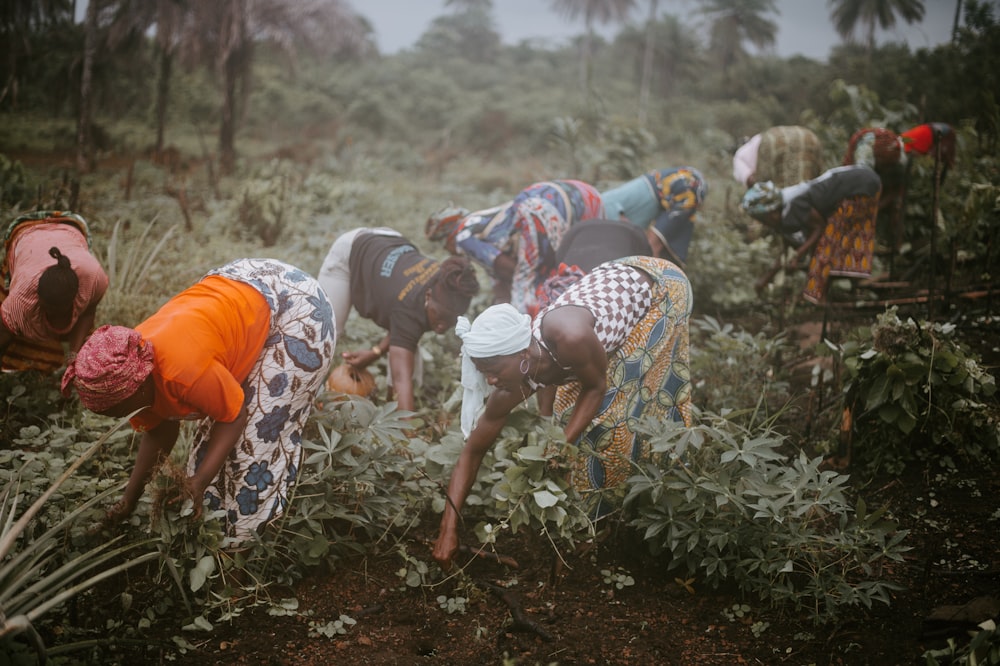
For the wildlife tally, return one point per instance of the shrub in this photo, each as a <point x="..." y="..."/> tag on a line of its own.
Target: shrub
<point x="724" y="504"/>
<point x="916" y="390"/>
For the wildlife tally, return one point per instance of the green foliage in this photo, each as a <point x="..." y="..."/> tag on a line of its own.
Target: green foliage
<point x="131" y="265"/>
<point x="523" y="482"/>
<point x="982" y="650"/>
<point x="41" y="564"/>
<point x="15" y="188"/>
<point x="737" y="371"/>
<point x="724" y="504"/>
<point x="358" y="484"/>
<point x="915" y="383"/>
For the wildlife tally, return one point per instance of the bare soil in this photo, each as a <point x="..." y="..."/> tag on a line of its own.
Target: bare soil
<point x="571" y="616"/>
<point x="546" y="611"/>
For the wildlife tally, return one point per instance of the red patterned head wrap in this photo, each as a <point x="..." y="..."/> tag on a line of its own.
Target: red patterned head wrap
<point x="111" y="366"/>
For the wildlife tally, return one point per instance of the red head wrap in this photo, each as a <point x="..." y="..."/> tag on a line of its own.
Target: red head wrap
<point x="111" y="366"/>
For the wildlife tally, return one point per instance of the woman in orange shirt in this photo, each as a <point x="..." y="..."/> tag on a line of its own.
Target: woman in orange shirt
<point x="245" y="351"/>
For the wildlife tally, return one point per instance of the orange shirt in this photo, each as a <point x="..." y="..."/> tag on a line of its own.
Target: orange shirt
<point x="206" y="341"/>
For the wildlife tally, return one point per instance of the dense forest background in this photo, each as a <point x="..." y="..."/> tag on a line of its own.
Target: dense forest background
<point x="141" y="76"/>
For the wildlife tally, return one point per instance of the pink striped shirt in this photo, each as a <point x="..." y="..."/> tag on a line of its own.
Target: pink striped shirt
<point x="28" y="258"/>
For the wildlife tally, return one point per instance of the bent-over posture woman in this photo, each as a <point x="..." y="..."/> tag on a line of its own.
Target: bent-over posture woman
<point x="665" y="204"/>
<point x="245" y="351"/>
<point x="832" y="216"/>
<point x="516" y="242"/>
<point x="386" y="278"/>
<point x="50" y="285"/>
<point x="616" y="345"/>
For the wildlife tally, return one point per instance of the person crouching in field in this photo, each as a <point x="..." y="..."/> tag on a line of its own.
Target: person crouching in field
<point x="665" y="204"/>
<point x="50" y="285"/>
<point x="832" y="216"/>
<point x="245" y="351"/>
<point x="515" y="242"/>
<point x="386" y="279"/>
<point x="616" y="345"/>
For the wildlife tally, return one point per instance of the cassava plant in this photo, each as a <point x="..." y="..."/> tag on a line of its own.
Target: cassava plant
<point x="523" y="482"/>
<point x="41" y="567"/>
<point x="914" y="389"/>
<point x="358" y="484"/>
<point x="725" y="505"/>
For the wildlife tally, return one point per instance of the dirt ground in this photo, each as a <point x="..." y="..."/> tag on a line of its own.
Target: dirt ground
<point x="571" y="616"/>
<point x="543" y="611"/>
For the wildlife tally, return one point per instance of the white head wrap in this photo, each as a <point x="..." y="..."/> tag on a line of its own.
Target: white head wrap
<point x="500" y="330"/>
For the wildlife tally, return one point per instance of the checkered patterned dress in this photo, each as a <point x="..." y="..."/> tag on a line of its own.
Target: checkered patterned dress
<point x="644" y="330"/>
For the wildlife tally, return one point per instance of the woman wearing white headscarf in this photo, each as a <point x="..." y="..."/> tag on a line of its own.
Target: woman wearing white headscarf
<point x="616" y="345"/>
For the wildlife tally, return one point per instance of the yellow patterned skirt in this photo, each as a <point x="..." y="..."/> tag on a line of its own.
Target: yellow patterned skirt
<point x="846" y="247"/>
<point x="648" y="375"/>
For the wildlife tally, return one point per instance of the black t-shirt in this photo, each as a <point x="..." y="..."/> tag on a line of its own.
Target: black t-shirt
<point x="592" y="242"/>
<point x="389" y="282"/>
<point x="825" y="194"/>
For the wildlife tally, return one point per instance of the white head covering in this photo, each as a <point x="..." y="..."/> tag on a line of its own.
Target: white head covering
<point x="500" y="330"/>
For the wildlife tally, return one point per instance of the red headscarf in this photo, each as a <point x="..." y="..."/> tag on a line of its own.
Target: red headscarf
<point x="111" y="366"/>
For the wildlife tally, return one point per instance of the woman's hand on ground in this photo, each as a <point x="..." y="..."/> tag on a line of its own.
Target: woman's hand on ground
<point x="445" y="548"/>
<point x="113" y="517"/>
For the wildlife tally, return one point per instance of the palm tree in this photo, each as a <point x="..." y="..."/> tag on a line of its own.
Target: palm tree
<point x="84" y="147"/>
<point x="735" y="22"/>
<point x="847" y="14"/>
<point x="604" y="11"/>
<point x="168" y="17"/>
<point x="224" y="32"/>
<point x="24" y="25"/>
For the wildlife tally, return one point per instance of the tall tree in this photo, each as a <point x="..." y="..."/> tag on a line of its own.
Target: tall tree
<point x="225" y="33"/>
<point x="24" y="24"/>
<point x="847" y="15"/>
<point x="84" y="142"/>
<point x="736" y="22"/>
<point x="169" y="18"/>
<point x="604" y="11"/>
<point x="468" y="32"/>
<point x="647" y="61"/>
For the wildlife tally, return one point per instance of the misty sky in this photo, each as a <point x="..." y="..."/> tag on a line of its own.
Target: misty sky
<point x="804" y="25"/>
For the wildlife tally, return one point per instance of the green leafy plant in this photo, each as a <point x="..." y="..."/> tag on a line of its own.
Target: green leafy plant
<point x="357" y="485"/>
<point x="523" y="482"/>
<point x="36" y="575"/>
<point x="737" y="371"/>
<point x="726" y="505"/>
<point x="452" y="605"/>
<point x="916" y="390"/>
<point x="982" y="650"/>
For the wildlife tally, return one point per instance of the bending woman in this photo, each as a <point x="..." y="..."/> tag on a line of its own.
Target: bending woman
<point x="245" y="351"/>
<point x="516" y="242"/>
<point x="616" y="345"/>
<point x="388" y="280"/>
<point x="51" y="285"/>
<point x="665" y="204"/>
<point x="832" y="216"/>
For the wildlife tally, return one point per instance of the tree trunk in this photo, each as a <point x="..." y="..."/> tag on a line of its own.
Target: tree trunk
<point x="958" y="15"/>
<point x="647" y="63"/>
<point x="84" y="149"/>
<point x="227" y="129"/>
<point x="162" y="94"/>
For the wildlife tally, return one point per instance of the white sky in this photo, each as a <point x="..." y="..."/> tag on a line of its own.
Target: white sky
<point x="804" y="25"/>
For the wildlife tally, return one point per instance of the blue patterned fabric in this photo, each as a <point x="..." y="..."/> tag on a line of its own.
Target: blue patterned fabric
<point x="254" y="484"/>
